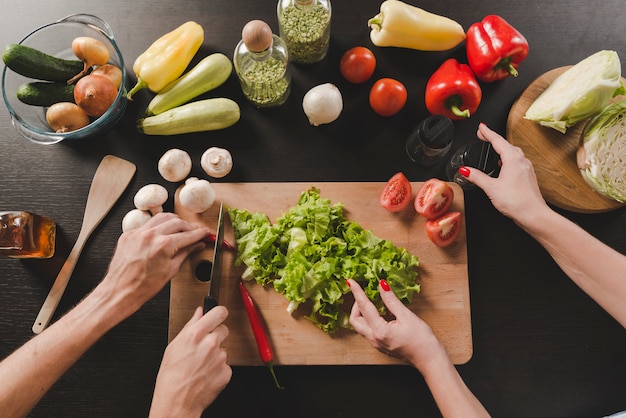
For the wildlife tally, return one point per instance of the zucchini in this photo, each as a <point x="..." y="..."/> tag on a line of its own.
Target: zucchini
<point x="199" y="116"/>
<point x="45" y="93"/>
<point x="207" y="75"/>
<point x="31" y="62"/>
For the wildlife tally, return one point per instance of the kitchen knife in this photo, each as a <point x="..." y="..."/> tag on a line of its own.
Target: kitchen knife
<point x="211" y="299"/>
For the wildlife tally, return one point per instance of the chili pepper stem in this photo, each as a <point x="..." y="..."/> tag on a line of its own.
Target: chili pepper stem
<point x="139" y="86"/>
<point x="270" y="366"/>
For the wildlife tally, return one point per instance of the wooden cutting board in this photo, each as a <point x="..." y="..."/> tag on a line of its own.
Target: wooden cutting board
<point x="553" y="154"/>
<point x="443" y="302"/>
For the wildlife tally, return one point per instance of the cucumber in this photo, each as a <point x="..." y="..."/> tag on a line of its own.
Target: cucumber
<point x="31" y="62"/>
<point x="199" y="116"/>
<point x="44" y="93"/>
<point x="205" y="76"/>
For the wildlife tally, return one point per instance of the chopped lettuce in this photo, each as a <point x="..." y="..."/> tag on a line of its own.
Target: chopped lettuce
<point x="603" y="163"/>
<point x="311" y="250"/>
<point x="579" y="92"/>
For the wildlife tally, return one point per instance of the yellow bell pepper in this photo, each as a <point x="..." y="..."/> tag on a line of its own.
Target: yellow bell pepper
<point x="166" y="59"/>
<point x="401" y="25"/>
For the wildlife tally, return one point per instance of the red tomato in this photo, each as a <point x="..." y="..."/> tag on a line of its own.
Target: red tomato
<point x="397" y="193"/>
<point x="387" y="96"/>
<point x="434" y="198"/>
<point x="444" y="230"/>
<point x="357" y="65"/>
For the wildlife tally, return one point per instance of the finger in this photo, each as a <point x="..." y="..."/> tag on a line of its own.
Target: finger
<point x="391" y="301"/>
<point x="213" y="318"/>
<point x="478" y="177"/>
<point x="499" y="143"/>
<point x="366" y="308"/>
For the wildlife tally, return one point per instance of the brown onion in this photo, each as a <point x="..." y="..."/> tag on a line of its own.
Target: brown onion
<point x="91" y="52"/>
<point x="94" y="94"/>
<point x="66" y="117"/>
<point x="110" y="71"/>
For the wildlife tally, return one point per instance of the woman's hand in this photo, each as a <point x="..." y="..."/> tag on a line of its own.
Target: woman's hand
<point x="194" y="369"/>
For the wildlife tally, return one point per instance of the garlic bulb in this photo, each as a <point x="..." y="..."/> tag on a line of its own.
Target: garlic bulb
<point x="322" y="104"/>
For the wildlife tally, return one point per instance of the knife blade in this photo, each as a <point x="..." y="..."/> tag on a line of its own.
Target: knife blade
<point x="211" y="299"/>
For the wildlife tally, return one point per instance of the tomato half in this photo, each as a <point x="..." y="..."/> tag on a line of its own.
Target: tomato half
<point x="397" y="193"/>
<point x="443" y="231"/>
<point x="387" y="96"/>
<point x="357" y="65"/>
<point x="434" y="198"/>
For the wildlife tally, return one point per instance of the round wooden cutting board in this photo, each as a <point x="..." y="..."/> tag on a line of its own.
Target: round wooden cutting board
<point x="553" y="154"/>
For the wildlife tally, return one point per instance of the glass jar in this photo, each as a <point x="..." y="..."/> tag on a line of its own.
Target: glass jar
<point x="431" y="140"/>
<point x="304" y="25"/>
<point x="478" y="154"/>
<point x="261" y="62"/>
<point x="26" y="235"/>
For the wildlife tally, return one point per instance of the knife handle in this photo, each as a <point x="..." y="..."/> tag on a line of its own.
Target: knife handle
<point x="209" y="303"/>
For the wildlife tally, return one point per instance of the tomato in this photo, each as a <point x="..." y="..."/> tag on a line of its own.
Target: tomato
<point x="434" y="198"/>
<point x="357" y="65"/>
<point x="397" y="193"/>
<point x="387" y="96"/>
<point x="443" y="231"/>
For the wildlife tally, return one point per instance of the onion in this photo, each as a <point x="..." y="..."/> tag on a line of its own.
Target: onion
<point x="94" y="94"/>
<point x="322" y="104"/>
<point x="111" y="72"/>
<point x="90" y="51"/>
<point x="65" y="117"/>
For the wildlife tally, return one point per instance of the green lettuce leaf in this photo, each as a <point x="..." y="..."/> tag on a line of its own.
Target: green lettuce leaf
<point x="311" y="251"/>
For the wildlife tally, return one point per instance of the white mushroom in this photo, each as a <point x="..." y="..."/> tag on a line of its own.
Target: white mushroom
<point x="135" y="219"/>
<point x="216" y="162"/>
<point x="151" y="197"/>
<point x="197" y="195"/>
<point x="175" y="165"/>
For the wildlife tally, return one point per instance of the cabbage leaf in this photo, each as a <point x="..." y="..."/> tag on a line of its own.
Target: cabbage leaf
<point x="311" y="250"/>
<point x="578" y="93"/>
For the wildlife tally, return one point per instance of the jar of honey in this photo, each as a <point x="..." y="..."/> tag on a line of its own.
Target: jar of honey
<point x="26" y="235"/>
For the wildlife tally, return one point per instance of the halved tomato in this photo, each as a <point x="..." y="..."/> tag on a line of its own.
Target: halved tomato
<point x="443" y="231"/>
<point x="434" y="198"/>
<point x="397" y="193"/>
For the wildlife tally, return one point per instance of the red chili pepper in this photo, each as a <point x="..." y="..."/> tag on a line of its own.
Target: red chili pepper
<point x="453" y="91"/>
<point x="495" y="49"/>
<point x="211" y="240"/>
<point x="258" y="329"/>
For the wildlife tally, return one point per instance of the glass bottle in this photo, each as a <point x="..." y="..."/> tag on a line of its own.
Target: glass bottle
<point x="431" y="140"/>
<point x="26" y="235"/>
<point x="479" y="155"/>
<point x="261" y="62"/>
<point x="304" y="25"/>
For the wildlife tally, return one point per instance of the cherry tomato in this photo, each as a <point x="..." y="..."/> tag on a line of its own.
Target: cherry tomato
<point x="434" y="198"/>
<point x="387" y="96"/>
<point x="397" y="193"/>
<point x="443" y="231"/>
<point x="357" y="64"/>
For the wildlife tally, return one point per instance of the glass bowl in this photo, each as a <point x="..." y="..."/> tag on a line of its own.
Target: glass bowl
<point x="56" y="39"/>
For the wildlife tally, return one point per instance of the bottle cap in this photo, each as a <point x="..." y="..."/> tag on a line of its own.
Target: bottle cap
<point x="482" y="156"/>
<point x="436" y="131"/>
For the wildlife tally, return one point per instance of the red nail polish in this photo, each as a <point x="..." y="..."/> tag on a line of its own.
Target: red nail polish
<point x="464" y="171"/>
<point x="348" y="282"/>
<point x="384" y="285"/>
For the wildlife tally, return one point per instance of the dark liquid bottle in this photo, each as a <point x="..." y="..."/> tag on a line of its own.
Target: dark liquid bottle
<point x="26" y="235"/>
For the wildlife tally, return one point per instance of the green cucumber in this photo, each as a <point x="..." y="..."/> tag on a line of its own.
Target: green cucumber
<point x="31" y="62"/>
<point x="199" y="116"/>
<point x="45" y="93"/>
<point x="205" y="76"/>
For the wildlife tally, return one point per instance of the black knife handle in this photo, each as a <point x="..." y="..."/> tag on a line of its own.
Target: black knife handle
<point x="209" y="303"/>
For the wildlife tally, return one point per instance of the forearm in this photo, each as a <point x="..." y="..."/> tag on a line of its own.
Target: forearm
<point x="595" y="267"/>
<point x="450" y="392"/>
<point x="28" y="373"/>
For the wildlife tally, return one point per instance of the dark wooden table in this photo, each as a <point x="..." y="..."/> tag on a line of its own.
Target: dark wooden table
<point x="541" y="346"/>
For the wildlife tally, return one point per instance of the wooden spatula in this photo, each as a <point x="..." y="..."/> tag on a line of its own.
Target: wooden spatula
<point x="111" y="179"/>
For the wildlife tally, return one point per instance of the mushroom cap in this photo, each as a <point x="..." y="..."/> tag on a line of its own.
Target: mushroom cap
<point x="216" y="162"/>
<point x="197" y="195"/>
<point x="135" y="219"/>
<point x="150" y="196"/>
<point x="174" y="165"/>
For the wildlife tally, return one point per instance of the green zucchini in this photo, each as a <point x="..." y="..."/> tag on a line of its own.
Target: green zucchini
<point x="205" y="76"/>
<point x="31" y="62"/>
<point x="199" y="116"/>
<point x="45" y="93"/>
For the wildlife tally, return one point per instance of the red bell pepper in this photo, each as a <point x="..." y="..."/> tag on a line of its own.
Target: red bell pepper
<point x="453" y="91"/>
<point x="495" y="49"/>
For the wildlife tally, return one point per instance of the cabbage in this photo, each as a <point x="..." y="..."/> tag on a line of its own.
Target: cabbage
<point x="603" y="163"/>
<point x="578" y="93"/>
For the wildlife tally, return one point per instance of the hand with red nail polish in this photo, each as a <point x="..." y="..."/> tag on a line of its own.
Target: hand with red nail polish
<point x="409" y="338"/>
